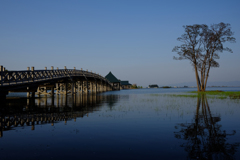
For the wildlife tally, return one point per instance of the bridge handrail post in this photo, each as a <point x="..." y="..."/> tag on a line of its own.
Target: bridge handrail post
<point x="45" y="73"/>
<point x="28" y="68"/>
<point x="1" y="76"/>
<point x="86" y="73"/>
<point x="65" y="71"/>
<point x="57" y="73"/>
<point x="32" y="69"/>
<point x="52" y="74"/>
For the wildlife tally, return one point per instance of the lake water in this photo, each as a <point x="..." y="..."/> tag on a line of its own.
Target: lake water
<point x="126" y="124"/>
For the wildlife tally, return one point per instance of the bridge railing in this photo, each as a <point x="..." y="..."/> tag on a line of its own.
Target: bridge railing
<point x="28" y="76"/>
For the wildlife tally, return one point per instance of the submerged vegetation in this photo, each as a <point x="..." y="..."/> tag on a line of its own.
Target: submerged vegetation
<point x="230" y="94"/>
<point x="211" y="94"/>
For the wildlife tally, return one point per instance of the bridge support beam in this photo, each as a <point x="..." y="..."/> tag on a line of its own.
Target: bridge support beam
<point x="52" y="91"/>
<point x="79" y="87"/>
<point x="60" y="86"/>
<point x="57" y="87"/>
<point x="86" y="87"/>
<point x="28" y="93"/>
<point x="73" y="91"/>
<point x="38" y="92"/>
<point x="52" y="100"/>
<point x="105" y="87"/>
<point x="95" y="87"/>
<point x="66" y="88"/>
<point x="31" y="92"/>
<point x="92" y="86"/>
<point x="82" y="87"/>
<point x="101" y="87"/>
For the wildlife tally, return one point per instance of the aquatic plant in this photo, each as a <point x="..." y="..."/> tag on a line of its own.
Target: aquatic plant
<point x="210" y="94"/>
<point x="221" y="94"/>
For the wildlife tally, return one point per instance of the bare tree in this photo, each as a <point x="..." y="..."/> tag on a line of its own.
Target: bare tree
<point x="202" y="45"/>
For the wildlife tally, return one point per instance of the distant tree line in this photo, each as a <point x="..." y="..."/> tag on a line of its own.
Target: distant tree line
<point x="134" y="86"/>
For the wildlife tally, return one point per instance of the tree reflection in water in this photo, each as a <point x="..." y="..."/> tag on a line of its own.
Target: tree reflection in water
<point x="205" y="139"/>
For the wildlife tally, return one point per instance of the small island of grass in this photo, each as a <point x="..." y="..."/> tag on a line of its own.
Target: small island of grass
<point x="210" y="94"/>
<point x="221" y="94"/>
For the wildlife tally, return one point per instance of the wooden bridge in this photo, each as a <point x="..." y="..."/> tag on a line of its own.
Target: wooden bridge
<point x="59" y="81"/>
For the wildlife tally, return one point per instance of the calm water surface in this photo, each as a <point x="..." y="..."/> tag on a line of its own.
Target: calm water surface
<point x="126" y="124"/>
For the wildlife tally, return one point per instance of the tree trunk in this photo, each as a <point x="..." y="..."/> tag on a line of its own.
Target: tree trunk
<point x="203" y="78"/>
<point x="209" y="66"/>
<point x="206" y="79"/>
<point x="197" y="78"/>
<point x="203" y="70"/>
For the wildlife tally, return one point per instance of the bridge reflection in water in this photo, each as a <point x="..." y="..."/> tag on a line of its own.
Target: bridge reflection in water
<point x="204" y="138"/>
<point x="49" y="110"/>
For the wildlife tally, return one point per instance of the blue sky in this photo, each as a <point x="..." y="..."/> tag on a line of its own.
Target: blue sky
<point x="132" y="38"/>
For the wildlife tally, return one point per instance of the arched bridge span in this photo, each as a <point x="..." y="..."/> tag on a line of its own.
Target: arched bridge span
<point x="63" y="81"/>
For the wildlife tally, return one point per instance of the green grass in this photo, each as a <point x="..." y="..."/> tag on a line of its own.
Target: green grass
<point x="210" y="94"/>
<point x="221" y="94"/>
